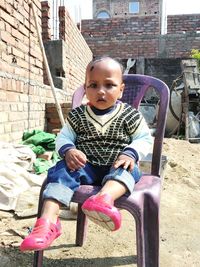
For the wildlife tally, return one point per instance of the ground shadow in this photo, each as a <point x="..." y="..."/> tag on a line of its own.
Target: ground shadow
<point x="12" y="257"/>
<point x="100" y="262"/>
<point x="87" y="262"/>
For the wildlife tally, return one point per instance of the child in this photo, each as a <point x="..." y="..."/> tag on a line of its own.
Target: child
<point x="100" y="144"/>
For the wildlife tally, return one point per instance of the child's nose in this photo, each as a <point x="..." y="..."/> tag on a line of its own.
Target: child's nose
<point x="101" y="90"/>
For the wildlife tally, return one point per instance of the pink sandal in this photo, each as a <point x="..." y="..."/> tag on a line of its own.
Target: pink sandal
<point x="42" y="235"/>
<point x="100" y="209"/>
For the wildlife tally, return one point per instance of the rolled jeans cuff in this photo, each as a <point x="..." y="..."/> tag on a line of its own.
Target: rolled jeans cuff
<point x="58" y="192"/>
<point x="123" y="176"/>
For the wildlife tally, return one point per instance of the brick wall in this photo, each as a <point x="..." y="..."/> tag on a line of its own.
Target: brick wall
<point x="23" y="95"/>
<point x="123" y="38"/>
<point x="75" y="62"/>
<point x="20" y="52"/>
<point x="46" y="30"/>
<point x="68" y="56"/>
<point x="178" y="45"/>
<point x="24" y="98"/>
<point x="100" y="5"/>
<point x="52" y="115"/>
<point x="139" y="36"/>
<point x="183" y="23"/>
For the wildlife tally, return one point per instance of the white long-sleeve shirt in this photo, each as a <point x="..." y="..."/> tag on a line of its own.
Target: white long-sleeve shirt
<point x="103" y="135"/>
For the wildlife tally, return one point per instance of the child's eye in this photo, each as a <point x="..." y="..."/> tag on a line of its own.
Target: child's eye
<point x="110" y="85"/>
<point x="92" y="85"/>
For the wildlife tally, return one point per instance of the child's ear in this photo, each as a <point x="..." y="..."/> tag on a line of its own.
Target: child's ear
<point x="84" y="86"/>
<point x="121" y="90"/>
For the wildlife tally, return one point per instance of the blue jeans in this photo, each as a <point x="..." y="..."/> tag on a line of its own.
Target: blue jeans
<point x="62" y="183"/>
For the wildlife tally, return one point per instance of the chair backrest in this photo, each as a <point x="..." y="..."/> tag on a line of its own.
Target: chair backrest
<point x="136" y="86"/>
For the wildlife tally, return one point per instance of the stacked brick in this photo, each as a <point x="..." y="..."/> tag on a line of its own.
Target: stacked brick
<point x="52" y="117"/>
<point x="123" y="38"/>
<point x="75" y="60"/>
<point x="23" y="95"/>
<point x="20" y="63"/>
<point x="183" y="24"/>
<point x="183" y="34"/>
<point x="78" y="54"/>
<point x="20" y="53"/>
<point x="46" y="30"/>
<point x="139" y="36"/>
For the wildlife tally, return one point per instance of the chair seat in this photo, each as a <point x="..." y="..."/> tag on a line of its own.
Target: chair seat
<point x="146" y="184"/>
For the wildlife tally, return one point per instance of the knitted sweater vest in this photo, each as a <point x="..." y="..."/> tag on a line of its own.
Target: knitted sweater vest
<point x="102" y="137"/>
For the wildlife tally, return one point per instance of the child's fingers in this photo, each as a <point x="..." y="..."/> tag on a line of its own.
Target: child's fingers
<point x="121" y="162"/>
<point x="126" y="164"/>
<point x="75" y="159"/>
<point x="117" y="163"/>
<point x="78" y="163"/>
<point x="81" y="158"/>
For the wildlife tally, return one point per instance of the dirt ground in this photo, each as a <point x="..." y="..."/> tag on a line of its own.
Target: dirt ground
<point x="179" y="225"/>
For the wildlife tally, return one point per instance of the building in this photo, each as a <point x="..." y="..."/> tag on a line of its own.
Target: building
<point x="126" y="8"/>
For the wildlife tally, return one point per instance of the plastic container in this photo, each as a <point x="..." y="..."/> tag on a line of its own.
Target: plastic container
<point x="194" y="124"/>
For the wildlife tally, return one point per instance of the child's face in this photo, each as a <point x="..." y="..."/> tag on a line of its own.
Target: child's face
<point x="103" y="84"/>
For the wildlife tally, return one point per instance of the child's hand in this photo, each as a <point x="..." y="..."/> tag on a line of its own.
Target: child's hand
<point x="125" y="162"/>
<point x="75" y="159"/>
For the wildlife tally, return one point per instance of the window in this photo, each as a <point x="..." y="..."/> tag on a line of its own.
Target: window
<point x="134" y="7"/>
<point x="103" y="15"/>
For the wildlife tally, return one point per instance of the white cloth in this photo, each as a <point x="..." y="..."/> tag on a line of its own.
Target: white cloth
<point x="15" y="164"/>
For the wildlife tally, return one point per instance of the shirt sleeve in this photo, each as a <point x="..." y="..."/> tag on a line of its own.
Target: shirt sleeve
<point x="65" y="139"/>
<point x="141" y="142"/>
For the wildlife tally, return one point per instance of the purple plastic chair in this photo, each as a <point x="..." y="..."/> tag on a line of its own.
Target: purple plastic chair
<point x="144" y="202"/>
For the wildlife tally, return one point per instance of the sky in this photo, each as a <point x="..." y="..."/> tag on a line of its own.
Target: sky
<point x="172" y="7"/>
<point x="182" y="7"/>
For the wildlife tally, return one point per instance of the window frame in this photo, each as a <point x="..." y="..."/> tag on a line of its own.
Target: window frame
<point x="132" y="5"/>
<point x="105" y="12"/>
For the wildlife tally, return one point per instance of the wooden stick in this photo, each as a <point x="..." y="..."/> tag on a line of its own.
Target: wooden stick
<point x="58" y="107"/>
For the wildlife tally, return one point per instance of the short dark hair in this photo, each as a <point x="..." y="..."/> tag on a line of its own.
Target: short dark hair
<point x="100" y="58"/>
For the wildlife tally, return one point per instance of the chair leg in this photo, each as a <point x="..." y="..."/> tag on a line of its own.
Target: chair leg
<point x="140" y="241"/>
<point x="151" y="232"/>
<point x="38" y="258"/>
<point x="81" y="227"/>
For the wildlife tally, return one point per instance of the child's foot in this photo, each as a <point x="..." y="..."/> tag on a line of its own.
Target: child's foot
<point x="100" y="209"/>
<point x="42" y="235"/>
